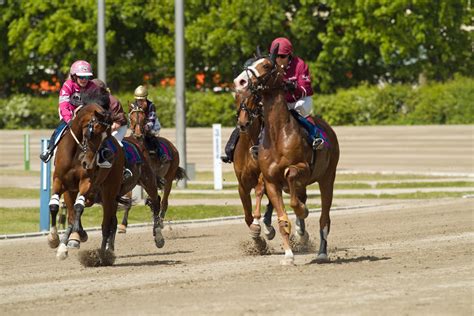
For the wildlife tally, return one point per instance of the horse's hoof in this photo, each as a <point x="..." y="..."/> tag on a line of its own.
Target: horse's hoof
<point x="61" y="254"/>
<point x="269" y="232"/>
<point x="122" y="229"/>
<point x="73" y="244"/>
<point x="301" y="239"/>
<point x="83" y="236"/>
<point x="322" y="258"/>
<point x="53" y="240"/>
<point x="288" y="261"/>
<point x="159" y="239"/>
<point x="255" y="231"/>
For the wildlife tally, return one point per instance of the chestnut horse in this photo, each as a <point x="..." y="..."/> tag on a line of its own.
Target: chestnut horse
<point x="77" y="175"/>
<point x="247" y="171"/>
<point x="164" y="173"/>
<point x="286" y="158"/>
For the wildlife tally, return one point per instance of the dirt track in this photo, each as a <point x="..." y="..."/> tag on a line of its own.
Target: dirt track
<point x="399" y="257"/>
<point x="408" y="257"/>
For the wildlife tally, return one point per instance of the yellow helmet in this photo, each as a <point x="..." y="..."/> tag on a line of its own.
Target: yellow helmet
<point x="141" y="92"/>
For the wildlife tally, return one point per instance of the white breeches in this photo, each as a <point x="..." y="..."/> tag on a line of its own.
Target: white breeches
<point x="120" y="133"/>
<point x="303" y="106"/>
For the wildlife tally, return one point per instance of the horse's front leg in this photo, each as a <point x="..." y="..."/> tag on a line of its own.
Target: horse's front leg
<point x="284" y="223"/>
<point x="293" y="176"/>
<point x="69" y="198"/>
<point x="79" y="205"/>
<point x="255" y="227"/>
<point x="53" y="237"/>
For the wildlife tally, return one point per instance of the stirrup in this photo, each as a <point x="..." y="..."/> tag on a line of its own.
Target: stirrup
<point x="254" y="151"/>
<point x="318" y="143"/>
<point x="127" y="174"/>
<point x="46" y="156"/>
<point x="226" y="159"/>
<point x="163" y="159"/>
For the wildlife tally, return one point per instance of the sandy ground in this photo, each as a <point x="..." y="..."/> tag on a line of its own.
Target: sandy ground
<point x="405" y="257"/>
<point x="400" y="258"/>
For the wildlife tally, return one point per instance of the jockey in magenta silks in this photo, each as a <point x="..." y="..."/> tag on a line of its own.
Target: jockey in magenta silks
<point x="79" y="80"/>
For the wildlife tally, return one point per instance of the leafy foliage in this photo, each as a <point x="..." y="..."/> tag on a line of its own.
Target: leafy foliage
<point x="345" y="43"/>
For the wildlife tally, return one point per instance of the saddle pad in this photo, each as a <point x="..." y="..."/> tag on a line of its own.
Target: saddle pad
<point x="323" y="135"/>
<point x="166" y="150"/>
<point x="132" y="154"/>
<point x="110" y="145"/>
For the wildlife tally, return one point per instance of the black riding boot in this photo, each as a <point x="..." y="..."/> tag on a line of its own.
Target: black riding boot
<point x="230" y="146"/>
<point x="254" y="149"/>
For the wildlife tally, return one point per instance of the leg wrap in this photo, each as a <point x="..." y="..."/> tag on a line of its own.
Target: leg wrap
<point x="285" y="223"/>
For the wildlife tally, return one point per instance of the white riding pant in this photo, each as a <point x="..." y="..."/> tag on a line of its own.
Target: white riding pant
<point x="303" y="106"/>
<point x="120" y="134"/>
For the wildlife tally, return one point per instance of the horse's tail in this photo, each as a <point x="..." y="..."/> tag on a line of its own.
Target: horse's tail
<point x="180" y="174"/>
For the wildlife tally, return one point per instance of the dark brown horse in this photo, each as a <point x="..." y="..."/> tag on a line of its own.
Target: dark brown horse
<point x="164" y="173"/>
<point x="247" y="171"/>
<point x="286" y="158"/>
<point x="77" y="175"/>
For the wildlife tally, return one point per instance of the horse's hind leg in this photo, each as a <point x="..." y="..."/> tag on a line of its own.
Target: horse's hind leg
<point x="268" y="229"/>
<point x="148" y="182"/>
<point x="164" y="199"/>
<point x="122" y="228"/>
<point x="326" y="187"/>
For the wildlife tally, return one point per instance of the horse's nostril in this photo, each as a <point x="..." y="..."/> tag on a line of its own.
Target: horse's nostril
<point x="243" y="82"/>
<point x="84" y="165"/>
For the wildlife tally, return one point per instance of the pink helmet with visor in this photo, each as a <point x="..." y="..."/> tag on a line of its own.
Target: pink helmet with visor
<point x="81" y="68"/>
<point x="285" y="48"/>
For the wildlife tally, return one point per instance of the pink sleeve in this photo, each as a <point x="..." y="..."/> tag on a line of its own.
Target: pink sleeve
<point x="66" y="109"/>
<point x="304" y="88"/>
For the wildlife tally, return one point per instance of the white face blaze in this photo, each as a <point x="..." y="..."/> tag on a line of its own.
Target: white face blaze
<point x="242" y="81"/>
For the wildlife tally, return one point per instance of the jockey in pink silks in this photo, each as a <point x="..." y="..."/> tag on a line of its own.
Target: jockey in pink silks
<point x="79" y="80"/>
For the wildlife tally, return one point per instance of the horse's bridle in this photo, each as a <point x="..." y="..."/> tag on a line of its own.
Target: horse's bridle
<point x="90" y="133"/>
<point x="261" y="82"/>
<point x="135" y="109"/>
<point x="252" y="113"/>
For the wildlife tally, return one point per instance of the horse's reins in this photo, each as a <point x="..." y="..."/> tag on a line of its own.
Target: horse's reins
<point x="251" y="113"/>
<point x="137" y="110"/>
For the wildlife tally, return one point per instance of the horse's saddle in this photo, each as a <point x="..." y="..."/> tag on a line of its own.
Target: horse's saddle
<point x="155" y="146"/>
<point x="318" y="130"/>
<point x="132" y="154"/>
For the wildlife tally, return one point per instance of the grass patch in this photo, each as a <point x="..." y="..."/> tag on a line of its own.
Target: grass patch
<point x="456" y="184"/>
<point x="18" y="193"/>
<point x="382" y="177"/>
<point x="19" y="173"/>
<point x="414" y="195"/>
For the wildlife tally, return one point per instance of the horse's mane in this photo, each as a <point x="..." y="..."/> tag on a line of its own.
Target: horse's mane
<point x="98" y="96"/>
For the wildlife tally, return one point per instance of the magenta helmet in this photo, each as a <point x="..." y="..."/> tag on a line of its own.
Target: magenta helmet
<point x="81" y="68"/>
<point x="285" y="47"/>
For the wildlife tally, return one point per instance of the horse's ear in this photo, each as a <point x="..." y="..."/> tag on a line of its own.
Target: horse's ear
<point x="100" y="115"/>
<point x="274" y="52"/>
<point x="259" y="53"/>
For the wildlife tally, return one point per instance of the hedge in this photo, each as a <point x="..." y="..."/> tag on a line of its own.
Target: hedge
<point x="436" y="103"/>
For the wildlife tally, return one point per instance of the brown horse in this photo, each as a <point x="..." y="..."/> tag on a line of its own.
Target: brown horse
<point x="286" y="158"/>
<point x="247" y="171"/>
<point x="164" y="173"/>
<point x="77" y="175"/>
